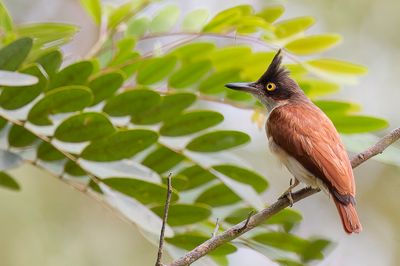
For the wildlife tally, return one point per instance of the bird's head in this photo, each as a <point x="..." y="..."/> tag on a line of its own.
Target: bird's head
<point x="274" y="87"/>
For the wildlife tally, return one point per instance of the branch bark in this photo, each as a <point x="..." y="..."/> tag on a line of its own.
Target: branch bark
<point x="260" y="217"/>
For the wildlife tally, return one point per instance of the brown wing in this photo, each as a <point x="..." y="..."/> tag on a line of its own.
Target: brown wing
<point x="307" y="134"/>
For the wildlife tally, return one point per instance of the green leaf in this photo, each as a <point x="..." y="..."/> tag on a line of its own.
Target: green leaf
<point x="48" y="35"/>
<point x="195" y="20"/>
<point x="184" y="214"/>
<point x="179" y="182"/>
<point x="289" y="262"/>
<point x="60" y="100"/>
<point x="283" y="241"/>
<point x="238" y="215"/>
<point x="191" y="122"/>
<point x="288" y="218"/>
<point x="93" y="8"/>
<point x="251" y="24"/>
<point x="120" y="145"/>
<point x="316" y="87"/>
<point x="75" y="74"/>
<point x="335" y="107"/>
<point x="271" y="13"/>
<point x="190" y="240"/>
<point x="73" y="169"/>
<point x="226" y="20"/>
<point x="218" y="141"/>
<point x="105" y="85"/>
<point x="47" y="152"/>
<point x="51" y="62"/>
<point x="243" y="175"/>
<point x="314" y="250"/>
<point x="15" y="79"/>
<point x="290" y="27"/>
<point x="189" y="74"/>
<point x="123" y="12"/>
<point x="218" y="195"/>
<point x="9" y="160"/>
<point x="215" y="83"/>
<point x="193" y="51"/>
<point x="6" y="23"/>
<point x="313" y="44"/>
<point x="357" y="123"/>
<point x="231" y="57"/>
<point x="3" y="123"/>
<point x="170" y="106"/>
<point x="45" y="33"/>
<point x="244" y="191"/>
<point x="337" y="67"/>
<point x="7" y="181"/>
<point x="137" y="27"/>
<point x="83" y="127"/>
<point x="165" y="19"/>
<point x="306" y="249"/>
<point x="14" y="54"/>
<point x="220" y="260"/>
<point x="12" y="98"/>
<point x="125" y="53"/>
<point x="155" y="69"/>
<point x="239" y="96"/>
<point x="19" y="137"/>
<point x="256" y="63"/>
<point x="118" y="14"/>
<point x="132" y="102"/>
<point x="162" y="159"/>
<point x="143" y="191"/>
<point x="196" y="176"/>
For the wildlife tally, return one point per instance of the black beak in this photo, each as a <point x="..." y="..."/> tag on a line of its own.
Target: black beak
<point x="242" y="86"/>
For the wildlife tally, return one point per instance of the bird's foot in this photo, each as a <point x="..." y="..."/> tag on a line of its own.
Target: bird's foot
<point x="288" y="193"/>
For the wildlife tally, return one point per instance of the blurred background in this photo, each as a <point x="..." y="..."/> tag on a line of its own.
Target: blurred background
<point x="48" y="223"/>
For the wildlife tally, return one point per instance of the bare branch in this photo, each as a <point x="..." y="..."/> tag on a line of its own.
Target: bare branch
<point x="377" y="148"/>
<point x="164" y="222"/>
<point x="260" y="217"/>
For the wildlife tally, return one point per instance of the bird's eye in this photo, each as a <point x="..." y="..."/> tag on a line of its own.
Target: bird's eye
<point x="270" y="86"/>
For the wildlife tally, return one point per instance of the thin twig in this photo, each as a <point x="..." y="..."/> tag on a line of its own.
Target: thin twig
<point x="246" y="222"/>
<point x="164" y="221"/>
<point x="377" y="148"/>
<point x="260" y="217"/>
<point x="216" y="228"/>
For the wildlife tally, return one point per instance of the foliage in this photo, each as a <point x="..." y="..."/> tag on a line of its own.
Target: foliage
<point x="124" y="118"/>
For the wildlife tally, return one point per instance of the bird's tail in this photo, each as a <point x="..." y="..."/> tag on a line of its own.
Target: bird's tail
<point x="348" y="214"/>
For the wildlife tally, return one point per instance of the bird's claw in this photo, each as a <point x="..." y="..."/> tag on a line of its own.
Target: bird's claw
<point x="287" y="194"/>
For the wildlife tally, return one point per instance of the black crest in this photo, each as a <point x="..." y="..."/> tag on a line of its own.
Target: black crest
<point x="275" y="71"/>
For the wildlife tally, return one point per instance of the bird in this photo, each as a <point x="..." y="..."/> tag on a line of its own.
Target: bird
<point x="305" y="140"/>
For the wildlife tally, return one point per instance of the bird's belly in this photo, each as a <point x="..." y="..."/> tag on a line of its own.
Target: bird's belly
<point x="295" y="167"/>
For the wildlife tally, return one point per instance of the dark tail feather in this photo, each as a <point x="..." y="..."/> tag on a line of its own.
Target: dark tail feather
<point x="348" y="214"/>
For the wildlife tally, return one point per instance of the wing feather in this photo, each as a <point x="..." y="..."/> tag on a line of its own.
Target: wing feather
<point x="307" y="134"/>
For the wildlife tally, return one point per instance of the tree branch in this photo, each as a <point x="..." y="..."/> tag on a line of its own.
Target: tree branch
<point x="279" y="205"/>
<point x="164" y="221"/>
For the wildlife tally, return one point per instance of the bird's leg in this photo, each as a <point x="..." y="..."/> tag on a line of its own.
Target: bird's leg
<point x="288" y="192"/>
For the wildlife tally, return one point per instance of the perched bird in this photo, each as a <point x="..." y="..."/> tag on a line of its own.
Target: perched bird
<point x="305" y="140"/>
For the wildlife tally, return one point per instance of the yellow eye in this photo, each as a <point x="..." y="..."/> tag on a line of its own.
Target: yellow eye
<point x="270" y="86"/>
